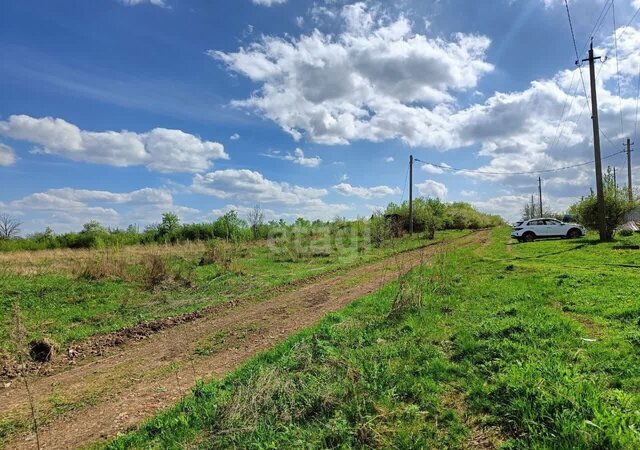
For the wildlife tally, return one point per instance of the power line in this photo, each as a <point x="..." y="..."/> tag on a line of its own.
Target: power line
<point x="635" y="128"/>
<point x="600" y="129"/>
<point x="615" y="45"/>
<point x="561" y="122"/>
<point x="598" y="24"/>
<point x="575" y="47"/>
<point x="626" y="27"/>
<point x="404" y="187"/>
<point x="558" y="169"/>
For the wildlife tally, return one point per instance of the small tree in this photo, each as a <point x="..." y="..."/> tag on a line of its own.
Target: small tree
<point x="256" y="220"/>
<point x="93" y="226"/>
<point x="616" y="204"/>
<point x="170" y="223"/>
<point x="530" y="211"/>
<point x="229" y="225"/>
<point x="9" y="227"/>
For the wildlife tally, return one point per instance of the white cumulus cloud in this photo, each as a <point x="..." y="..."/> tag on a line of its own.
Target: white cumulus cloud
<point x="249" y="187"/>
<point x="160" y="149"/>
<point x="431" y="188"/>
<point x="376" y="80"/>
<point x="7" y="155"/>
<point x="430" y="168"/>
<point x="66" y="209"/>
<point x="297" y="157"/>
<point x="366" y="192"/>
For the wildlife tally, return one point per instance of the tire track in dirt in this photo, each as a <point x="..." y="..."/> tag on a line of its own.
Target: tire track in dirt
<point x="110" y="395"/>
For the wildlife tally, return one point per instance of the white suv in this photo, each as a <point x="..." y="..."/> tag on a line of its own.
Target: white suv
<point x="529" y="230"/>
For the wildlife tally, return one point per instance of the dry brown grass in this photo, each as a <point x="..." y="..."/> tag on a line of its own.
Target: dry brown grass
<point x="98" y="264"/>
<point x="223" y="254"/>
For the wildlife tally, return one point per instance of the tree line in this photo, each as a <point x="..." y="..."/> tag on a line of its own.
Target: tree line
<point x="430" y="215"/>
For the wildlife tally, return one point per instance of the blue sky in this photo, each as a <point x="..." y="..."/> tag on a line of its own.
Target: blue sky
<point x="119" y="110"/>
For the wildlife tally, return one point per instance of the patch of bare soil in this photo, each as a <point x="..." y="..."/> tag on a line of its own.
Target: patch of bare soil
<point x="481" y="435"/>
<point x="485" y="241"/>
<point x="119" y="385"/>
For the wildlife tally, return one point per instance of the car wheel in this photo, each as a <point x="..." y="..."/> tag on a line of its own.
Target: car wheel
<point x="574" y="233"/>
<point x="529" y="237"/>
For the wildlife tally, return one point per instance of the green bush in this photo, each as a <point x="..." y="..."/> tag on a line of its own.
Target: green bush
<point x="616" y="203"/>
<point x="430" y="215"/>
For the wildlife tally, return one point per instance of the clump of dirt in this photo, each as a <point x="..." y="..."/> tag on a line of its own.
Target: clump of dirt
<point x="41" y="350"/>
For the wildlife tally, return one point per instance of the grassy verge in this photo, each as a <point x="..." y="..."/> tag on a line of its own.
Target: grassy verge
<point x="532" y="347"/>
<point x="68" y="301"/>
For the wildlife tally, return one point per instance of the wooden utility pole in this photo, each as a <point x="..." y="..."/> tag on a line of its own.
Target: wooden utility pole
<point x="629" y="184"/>
<point x="533" y="209"/>
<point x="540" y="195"/>
<point x="411" y="195"/>
<point x="602" y="224"/>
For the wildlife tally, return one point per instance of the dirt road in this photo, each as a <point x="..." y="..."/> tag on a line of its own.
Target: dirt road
<point x="113" y="394"/>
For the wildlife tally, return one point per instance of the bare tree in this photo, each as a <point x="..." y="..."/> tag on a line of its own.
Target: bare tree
<point x="256" y="220"/>
<point x="9" y="227"/>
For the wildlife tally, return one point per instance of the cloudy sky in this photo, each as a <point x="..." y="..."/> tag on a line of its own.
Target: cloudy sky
<point x="119" y="110"/>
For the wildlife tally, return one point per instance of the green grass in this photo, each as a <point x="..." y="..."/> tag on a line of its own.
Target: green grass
<point x="536" y="347"/>
<point x="66" y="308"/>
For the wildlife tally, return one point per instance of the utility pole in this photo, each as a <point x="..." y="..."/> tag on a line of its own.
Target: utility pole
<point x="540" y="195"/>
<point x="602" y="225"/>
<point x="615" y="183"/>
<point x="411" y="195"/>
<point x="533" y="209"/>
<point x="629" y="184"/>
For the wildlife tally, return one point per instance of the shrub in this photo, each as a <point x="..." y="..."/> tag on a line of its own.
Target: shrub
<point x="381" y="229"/>
<point x="106" y="265"/>
<point x="222" y="254"/>
<point x="156" y="272"/>
<point x="431" y="215"/>
<point x="616" y="203"/>
<point x="409" y="296"/>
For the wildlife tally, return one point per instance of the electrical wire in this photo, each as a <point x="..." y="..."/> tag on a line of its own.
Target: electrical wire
<point x="404" y="186"/>
<point x="615" y="45"/>
<point x="598" y="24"/>
<point x="561" y="122"/>
<point x="587" y="99"/>
<point x="635" y="127"/>
<point x="626" y="27"/>
<point x="558" y="169"/>
<point x="575" y="47"/>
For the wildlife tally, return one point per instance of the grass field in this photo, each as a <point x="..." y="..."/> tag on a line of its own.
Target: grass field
<point x="520" y="346"/>
<point x="69" y="295"/>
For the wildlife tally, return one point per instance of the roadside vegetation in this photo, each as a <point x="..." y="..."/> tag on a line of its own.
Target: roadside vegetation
<point x="518" y="345"/>
<point x="66" y="295"/>
<point x="616" y="202"/>
<point x="429" y="214"/>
